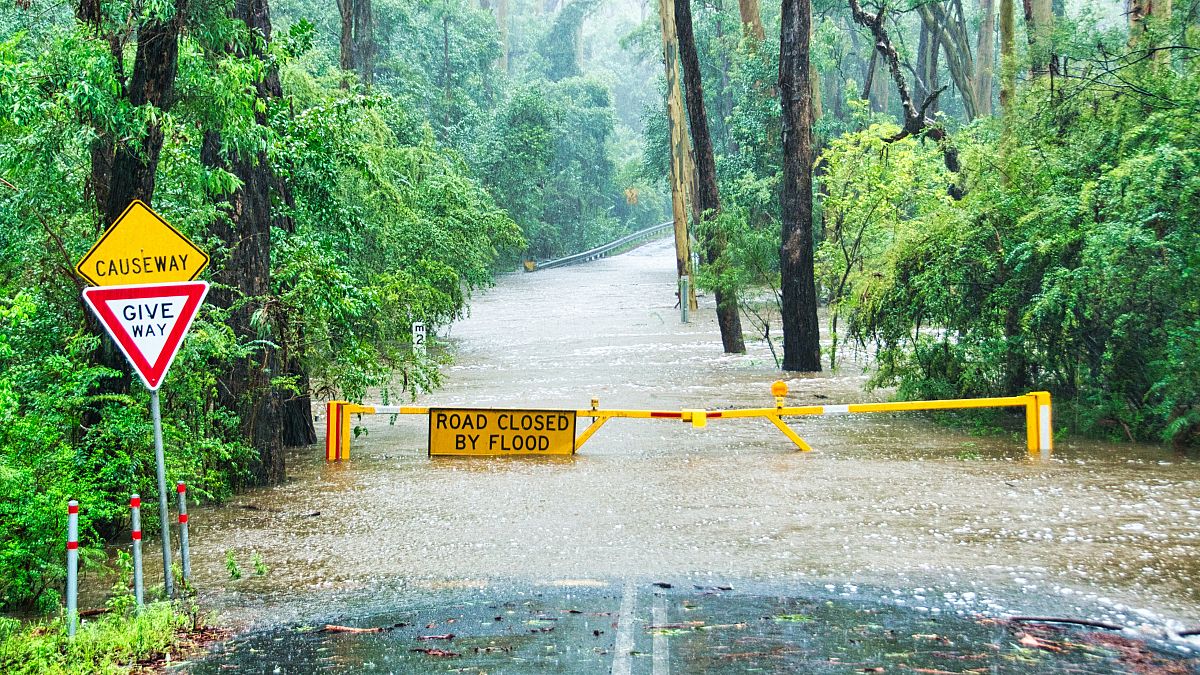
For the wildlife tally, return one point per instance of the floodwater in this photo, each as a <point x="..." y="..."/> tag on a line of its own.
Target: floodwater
<point x="891" y="513"/>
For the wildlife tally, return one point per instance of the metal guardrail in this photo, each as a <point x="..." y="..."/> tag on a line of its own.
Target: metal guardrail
<point x="605" y="250"/>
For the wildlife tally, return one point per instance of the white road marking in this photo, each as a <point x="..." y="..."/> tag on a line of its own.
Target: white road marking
<point x="622" y="658"/>
<point x="661" y="665"/>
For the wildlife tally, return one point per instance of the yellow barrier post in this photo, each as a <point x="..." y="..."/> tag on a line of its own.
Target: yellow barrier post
<point x="1045" y="426"/>
<point x="333" y="430"/>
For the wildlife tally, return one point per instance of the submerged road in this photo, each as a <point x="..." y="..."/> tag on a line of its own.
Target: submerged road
<point x="656" y="531"/>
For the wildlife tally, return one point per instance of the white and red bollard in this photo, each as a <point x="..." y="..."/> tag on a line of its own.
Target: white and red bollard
<point x="135" y="505"/>
<point x="72" y="566"/>
<point x="184" y="557"/>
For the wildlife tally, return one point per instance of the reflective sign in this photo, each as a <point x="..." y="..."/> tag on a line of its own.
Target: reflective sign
<point x="141" y="248"/>
<point x="472" y="431"/>
<point x="148" y="322"/>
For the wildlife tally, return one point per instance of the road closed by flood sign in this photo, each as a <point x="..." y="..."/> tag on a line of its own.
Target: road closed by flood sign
<point x="487" y="432"/>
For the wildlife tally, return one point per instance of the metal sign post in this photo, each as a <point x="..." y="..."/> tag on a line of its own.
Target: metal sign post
<point x="160" y="470"/>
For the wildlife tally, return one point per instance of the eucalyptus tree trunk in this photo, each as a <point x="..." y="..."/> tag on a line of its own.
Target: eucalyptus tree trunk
<point x="985" y="57"/>
<point x="1008" y="65"/>
<point x="928" y="48"/>
<point x="680" y="183"/>
<point x="752" y="24"/>
<point x="243" y="282"/>
<point x="1039" y="26"/>
<point x="364" y="41"/>
<point x="948" y="24"/>
<point x="356" y="43"/>
<point x="801" y="332"/>
<point x="707" y="196"/>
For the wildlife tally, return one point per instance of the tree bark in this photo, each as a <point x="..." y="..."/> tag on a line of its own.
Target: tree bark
<point x="706" y="172"/>
<point x="1008" y="66"/>
<point x="950" y="29"/>
<point x="985" y="57"/>
<point x="364" y="41"/>
<point x="927" y="64"/>
<point x="243" y="283"/>
<point x="679" y="149"/>
<point x="752" y="24"/>
<point x="801" y="331"/>
<point x="346" y="38"/>
<point x="1039" y="25"/>
<point x="502" y="24"/>
<point x="135" y="164"/>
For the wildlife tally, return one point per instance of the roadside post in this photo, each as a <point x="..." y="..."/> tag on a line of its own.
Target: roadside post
<point x="72" y="566"/>
<point x="184" y="557"/>
<point x="135" y="506"/>
<point x="142" y="272"/>
<point x="684" y="282"/>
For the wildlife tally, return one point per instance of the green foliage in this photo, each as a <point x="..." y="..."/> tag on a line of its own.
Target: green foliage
<point x="260" y="567"/>
<point x="546" y="159"/>
<point x="231" y="565"/>
<point x="109" y="644"/>
<point x="1069" y="266"/>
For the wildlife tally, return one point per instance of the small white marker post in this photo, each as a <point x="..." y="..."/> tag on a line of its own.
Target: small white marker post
<point x="684" y="282"/>
<point x="72" y="566"/>
<point x="135" y="505"/>
<point x="418" y="338"/>
<point x="184" y="557"/>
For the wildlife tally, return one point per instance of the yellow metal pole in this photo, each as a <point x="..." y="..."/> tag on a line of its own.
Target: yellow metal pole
<point x="344" y="436"/>
<point x="1031" y="424"/>
<point x="787" y="431"/>
<point x="1045" y="424"/>
<point x="333" y="426"/>
<point x="587" y="433"/>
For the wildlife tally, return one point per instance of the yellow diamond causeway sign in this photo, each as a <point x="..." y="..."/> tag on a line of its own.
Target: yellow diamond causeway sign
<point x="141" y="248"/>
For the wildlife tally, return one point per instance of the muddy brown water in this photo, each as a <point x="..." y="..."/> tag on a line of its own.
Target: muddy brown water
<point x="911" y="513"/>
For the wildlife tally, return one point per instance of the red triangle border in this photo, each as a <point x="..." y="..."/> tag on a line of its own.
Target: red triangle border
<point x="151" y="374"/>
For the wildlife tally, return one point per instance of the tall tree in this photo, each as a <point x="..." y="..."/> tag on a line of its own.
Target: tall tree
<point x="801" y="332"/>
<point x="679" y="148"/>
<point x="928" y="48"/>
<point x="1008" y="64"/>
<point x="1039" y="27"/>
<point x="752" y="24"/>
<point x="985" y="57"/>
<point x="357" y="40"/>
<point x="707" y="195"/>
<point x="949" y="24"/>
<point x="243" y="281"/>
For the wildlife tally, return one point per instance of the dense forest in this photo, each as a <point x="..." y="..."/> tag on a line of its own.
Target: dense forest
<point x="987" y="198"/>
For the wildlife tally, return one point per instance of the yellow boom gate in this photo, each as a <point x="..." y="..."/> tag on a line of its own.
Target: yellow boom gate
<point x="1038" y="429"/>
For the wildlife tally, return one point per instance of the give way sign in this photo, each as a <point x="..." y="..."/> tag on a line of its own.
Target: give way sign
<point x="148" y="321"/>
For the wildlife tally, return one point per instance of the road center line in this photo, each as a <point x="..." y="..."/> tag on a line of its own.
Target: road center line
<point x="661" y="665"/>
<point x="622" y="658"/>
